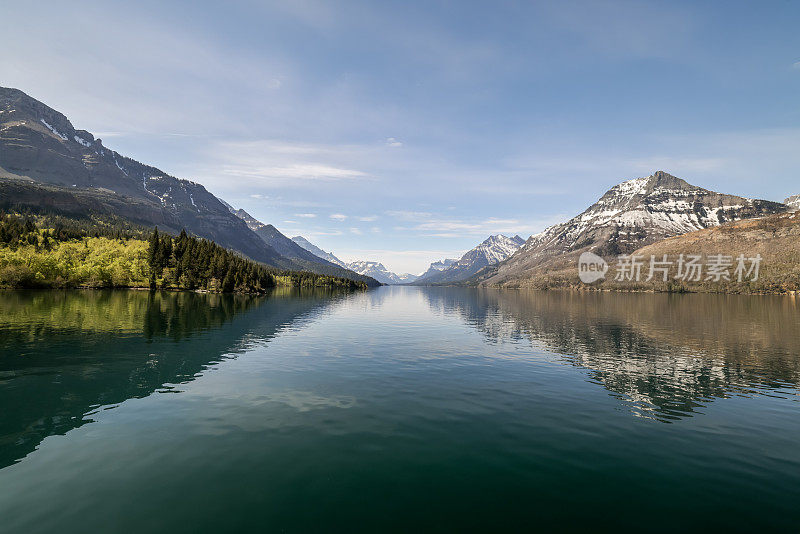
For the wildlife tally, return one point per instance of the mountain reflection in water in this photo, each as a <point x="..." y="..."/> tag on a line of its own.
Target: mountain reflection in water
<point x="65" y="354"/>
<point x="665" y="355"/>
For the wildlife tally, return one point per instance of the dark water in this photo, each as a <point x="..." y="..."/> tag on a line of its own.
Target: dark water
<point x="399" y="409"/>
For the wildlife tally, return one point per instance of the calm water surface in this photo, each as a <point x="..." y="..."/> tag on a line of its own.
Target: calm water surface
<point x="398" y="409"/>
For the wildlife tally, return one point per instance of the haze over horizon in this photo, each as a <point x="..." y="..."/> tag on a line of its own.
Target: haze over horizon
<point x="408" y="132"/>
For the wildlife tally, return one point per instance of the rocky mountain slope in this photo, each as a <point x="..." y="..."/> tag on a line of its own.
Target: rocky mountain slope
<point x="630" y="215"/>
<point x="302" y="258"/>
<point x="793" y="202"/>
<point x="491" y="251"/>
<point x="45" y="163"/>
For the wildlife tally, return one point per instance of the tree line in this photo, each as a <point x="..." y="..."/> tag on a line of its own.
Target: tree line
<point x="59" y="252"/>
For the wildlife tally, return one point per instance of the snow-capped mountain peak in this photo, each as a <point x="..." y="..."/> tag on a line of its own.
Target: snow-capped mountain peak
<point x="630" y="215"/>
<point x="793" y="202"/>
<point x="493" y="250"/>
<point x="498" y="247"/>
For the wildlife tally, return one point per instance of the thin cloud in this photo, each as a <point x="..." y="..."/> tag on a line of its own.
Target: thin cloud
<point x="338" y="217"/>
<point x="305" y="215"/>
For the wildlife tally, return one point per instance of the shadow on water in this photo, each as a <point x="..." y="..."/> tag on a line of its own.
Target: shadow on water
<point x="64" y="355"/>
<point x="666" y="356"/>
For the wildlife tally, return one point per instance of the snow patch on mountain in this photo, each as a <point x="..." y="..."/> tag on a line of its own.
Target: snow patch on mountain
<point x="793" y="202"/>
<point x="55" y="132"/>
<point x="81" y="141"/>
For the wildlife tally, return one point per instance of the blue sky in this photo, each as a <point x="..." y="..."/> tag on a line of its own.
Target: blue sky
<point x="409" y="131"/>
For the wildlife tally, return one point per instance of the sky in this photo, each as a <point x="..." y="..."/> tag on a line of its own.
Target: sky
<point x="405" y="132"/>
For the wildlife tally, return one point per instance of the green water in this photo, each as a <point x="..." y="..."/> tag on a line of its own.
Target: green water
<point x="398" y="409"/>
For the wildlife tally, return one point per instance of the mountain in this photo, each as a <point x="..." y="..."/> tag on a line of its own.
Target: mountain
<point x="436" y="267"/>
<point x="312" y="248"/>
<point x="630" y="215"/>
<point x="373" y="269"/>
<point x="302" y="258"/>
<point x="493" y="250"/>
<point x="793" y="202"/>
<point x="379" y="272"/>
<point x="46" y="164"/>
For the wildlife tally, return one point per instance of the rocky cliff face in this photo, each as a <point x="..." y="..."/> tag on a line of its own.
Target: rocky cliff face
<point x="793" y="202"/>
<point x="39" y="145"/>
<point x="630" y="215"/>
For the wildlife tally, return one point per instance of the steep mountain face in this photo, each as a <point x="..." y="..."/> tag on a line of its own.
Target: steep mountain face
<point x="45" y="163"/>
<point x="301" y="258"/>
<point x="630" y="215"/>
<point x="493" y="250"/>
<point x="312" y="248"/>
<point x="793" y="202"/>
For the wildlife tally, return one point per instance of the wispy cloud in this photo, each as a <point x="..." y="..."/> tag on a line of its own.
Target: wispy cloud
<point x="294" y="172"/>
<point x="305" y="215"/>
<point x="338" y="217"/>
<point x="393" y="142"/>
<point x="369" y="218"/>
<point x="428" y="225"/>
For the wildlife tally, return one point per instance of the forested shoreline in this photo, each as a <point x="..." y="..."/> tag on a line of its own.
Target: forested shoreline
<point x="39" y="251"/>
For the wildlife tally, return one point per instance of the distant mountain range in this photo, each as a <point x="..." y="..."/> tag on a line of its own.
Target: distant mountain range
<point x="371" y="269"/>
<point x="287" y="248"/>
<point x="48" y="165"/>
<point x="491" y="251"/>
<point x="630" y="215"/>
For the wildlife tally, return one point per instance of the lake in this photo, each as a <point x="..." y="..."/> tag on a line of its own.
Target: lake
<point x="398" y="409"/>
